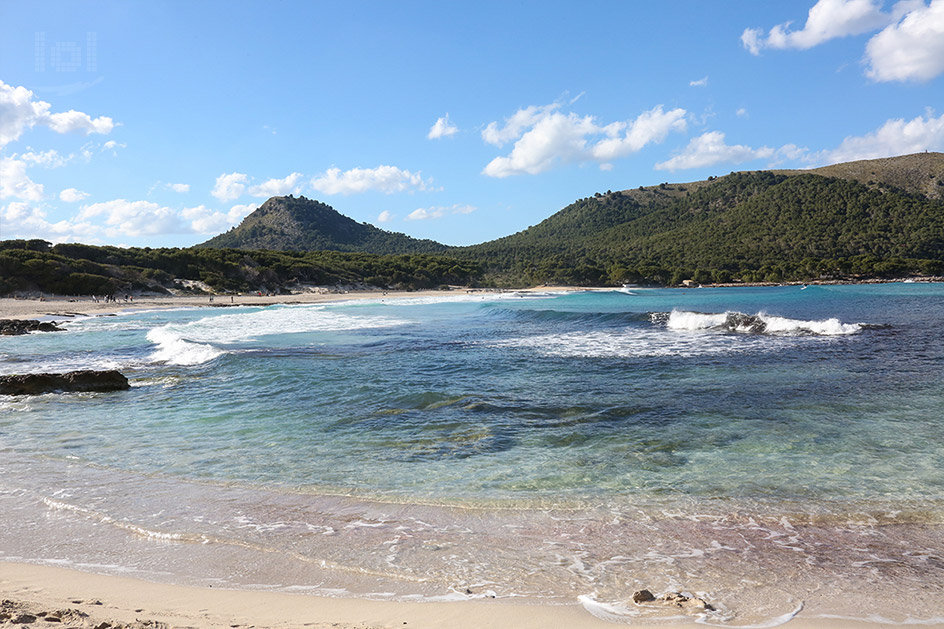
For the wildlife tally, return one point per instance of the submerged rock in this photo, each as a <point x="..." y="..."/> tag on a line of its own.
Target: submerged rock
<point x="36" y="383"/>
<point x="14" y="327"/>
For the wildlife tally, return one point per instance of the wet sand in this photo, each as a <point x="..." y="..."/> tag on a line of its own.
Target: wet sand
<point x="81" y="599"/>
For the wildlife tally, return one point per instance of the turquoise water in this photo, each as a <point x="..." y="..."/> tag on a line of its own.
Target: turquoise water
<point x="658" y="408"/>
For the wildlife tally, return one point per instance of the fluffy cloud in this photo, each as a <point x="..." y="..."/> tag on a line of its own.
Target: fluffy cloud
<point x="895" y="137"/>
<point x="709" y="149"/>
<point x="25" y="220"/>
<point x="385" y="217"/>
<point x="49" y="159"/>
<point x="71" y="195"/>
<point x="443" y="128"/>
<point x="277" y="187"/>
<point x="545" y="136"/>
<point x="136" y="218"/>
<point x="179" y="187"/>
<point x="14" y="182"/>
<point x="699" y="83"/>
<point x="230" y="186"/>
<point x="387" y="179"/>
<point x="827" y="19"/>
<point x="206" y="221"/>
<point x="422" y="214"/>
<point x="18" y="112"/>
<point x="912" y="49"/>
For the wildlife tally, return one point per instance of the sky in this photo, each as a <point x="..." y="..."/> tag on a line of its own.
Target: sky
<point x="164" y="123"/>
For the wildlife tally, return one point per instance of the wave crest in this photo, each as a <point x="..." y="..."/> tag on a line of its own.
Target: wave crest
<point x="175" y="350"/>
<point x="760" y="323"/>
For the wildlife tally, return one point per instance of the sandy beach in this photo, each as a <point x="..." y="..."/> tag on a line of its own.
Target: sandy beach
<point x="81" y="599"/>
<point x="67" y="307"/>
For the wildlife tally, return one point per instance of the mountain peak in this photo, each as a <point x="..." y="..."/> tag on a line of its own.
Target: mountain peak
<point x="292" y="223"/>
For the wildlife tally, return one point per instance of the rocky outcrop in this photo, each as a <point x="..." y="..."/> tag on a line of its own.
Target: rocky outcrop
<point x="14" y="327"/>
<point x="673" y="599"/>
<point x="36" y="383"/>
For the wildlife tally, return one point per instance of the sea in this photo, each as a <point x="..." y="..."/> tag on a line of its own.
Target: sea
<point x="776" y="451"/>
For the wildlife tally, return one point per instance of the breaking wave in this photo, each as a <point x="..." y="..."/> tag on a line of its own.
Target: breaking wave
<point x="760" y="323"/>
<point x="195" y="342"/>
<point x="174" y="350"/>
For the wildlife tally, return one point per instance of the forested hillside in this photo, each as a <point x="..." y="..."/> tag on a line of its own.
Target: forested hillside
<point x="74" y="269"/>
<point x="300" y="224"/>
<point x="756" y="226"/>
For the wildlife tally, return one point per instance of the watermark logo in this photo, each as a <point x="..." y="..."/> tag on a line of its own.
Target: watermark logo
<point x="66" y="56"/>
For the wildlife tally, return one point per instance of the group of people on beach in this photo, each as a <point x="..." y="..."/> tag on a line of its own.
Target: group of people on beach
<point x="106" y="299"/>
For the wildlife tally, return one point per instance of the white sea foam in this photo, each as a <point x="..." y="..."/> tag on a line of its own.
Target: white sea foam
<point x="680" y="320"/>
<point x="174" y="350"/>
<point x="759" y="323"/>
<point x="196" y="342"/>
<point x="826" y="327"/>
<point x="629" y="343"/>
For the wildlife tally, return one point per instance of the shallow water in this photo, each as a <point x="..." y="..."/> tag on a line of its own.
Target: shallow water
<point x="765" y="447"/>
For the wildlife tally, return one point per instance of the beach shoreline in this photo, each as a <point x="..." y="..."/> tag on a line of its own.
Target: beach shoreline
<point x="68" y="307"/>
<point x="62" y="306"/>
<point x="35" y="589"/>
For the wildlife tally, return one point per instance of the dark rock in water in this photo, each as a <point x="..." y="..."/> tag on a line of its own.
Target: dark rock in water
<point x="738" y="321"/>
<point x="643" y="596"/>
<point x="14" y="327"/>
<point x="36" y="383"/>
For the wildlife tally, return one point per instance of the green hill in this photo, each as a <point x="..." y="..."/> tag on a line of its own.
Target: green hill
<point x="875" y="218"/>
<point x="751" y="226"/>
<point x="300" y="224"/>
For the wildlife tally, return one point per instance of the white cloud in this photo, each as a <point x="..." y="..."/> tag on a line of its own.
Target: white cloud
<point x="443" y="128"/>
<point x="18" y="112"/>
<point x="546" y="137"/>
<point x="709" y="149"/>
<point x="25" y="220"/>
<point x="113" y="146"/>
<point x="912" y="49"/>
<point x="277" y="187"/>
<point x="206" y="221"/>
<point x="895" y="137"/>
<point x="136" y="218"/>
<point x="230" y="186"/>
<point x="179" y="187"/>
<point x="49" y="159"/>
<point x="14" y="182"/>
<point x="387" y="179"/>
<point x="699" y="83"/>
<point x="516" y="124"/>
<point x="71" y="195"/>
<point x="741" y="113"/>
<point x="422" y="214"/>
<point x="827" y="19"/>
<point x="386" y="217"/>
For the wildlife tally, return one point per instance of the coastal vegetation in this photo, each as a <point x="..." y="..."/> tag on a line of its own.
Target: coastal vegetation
<point x="70" y="269"/>
<point x="870" y="219"/>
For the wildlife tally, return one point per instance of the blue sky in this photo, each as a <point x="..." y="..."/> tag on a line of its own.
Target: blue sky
<point x="165" y="123"/>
